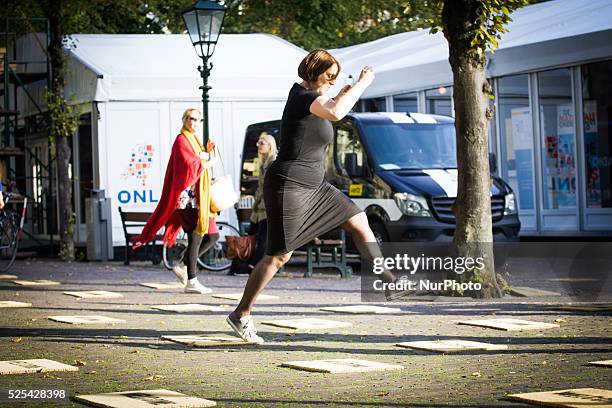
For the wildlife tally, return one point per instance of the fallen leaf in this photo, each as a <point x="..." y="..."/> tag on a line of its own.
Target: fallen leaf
<point x="80" y="362"/>
<point x="476" y="374"/>
<point x="383" y="394"/>
<point x="560" y="320"/>
<point x="91" y="372"/>
<point x="135" y="352"/>
<point x="17" y="340"/>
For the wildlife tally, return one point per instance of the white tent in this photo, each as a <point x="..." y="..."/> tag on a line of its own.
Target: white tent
<point x="164" y="67"/>
<point x="542" y="35"/>
<point x="137" y="87"/>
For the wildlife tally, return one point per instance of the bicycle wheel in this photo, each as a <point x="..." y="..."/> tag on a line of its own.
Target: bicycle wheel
<point x="215" y="259"/>
<point x="174" y="255"/>
<point x="8" y="243"/>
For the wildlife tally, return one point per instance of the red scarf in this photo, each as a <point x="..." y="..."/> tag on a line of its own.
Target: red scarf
<point x="184" y="169"/>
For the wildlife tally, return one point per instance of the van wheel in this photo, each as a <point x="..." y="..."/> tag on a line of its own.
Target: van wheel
<point x="380" y="232"/>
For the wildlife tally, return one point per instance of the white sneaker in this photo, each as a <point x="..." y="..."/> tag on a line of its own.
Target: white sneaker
<point x="181" y="273"/>
<point x="245" y="329"/>
<point x="194" y="286"/>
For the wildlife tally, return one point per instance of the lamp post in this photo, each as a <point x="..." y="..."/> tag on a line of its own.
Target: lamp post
<point x="204" y="20"/>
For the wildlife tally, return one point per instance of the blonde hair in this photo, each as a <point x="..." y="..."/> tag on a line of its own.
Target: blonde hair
<point x="188" y="112"/>
<point x="266" y="137"/>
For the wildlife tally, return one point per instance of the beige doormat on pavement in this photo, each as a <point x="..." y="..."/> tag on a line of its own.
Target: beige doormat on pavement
<point x="451" y="346"/>
<point x="306" y="324"/>
<point x="508" y="324"/>
<point x="207" y="341"/>
<point x="362" y="309"/>
<point x="91" y="319"/>
<point x="190" y="307"/>
<point x="577" y="397"/>
<point x="163" y="285"/>
<point x="12" y="303"/>
<point x="238" y="296"/>
<point x="341" y="365"/>
<point x="602" y="363"/>
<point x="144" y="399"/>
<point x="94" y="294"/>
<point x="38" y="282"/>
<point x="38" y="365"/>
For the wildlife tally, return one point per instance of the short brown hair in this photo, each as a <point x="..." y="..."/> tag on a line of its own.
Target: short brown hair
<point x="315" y="63"/>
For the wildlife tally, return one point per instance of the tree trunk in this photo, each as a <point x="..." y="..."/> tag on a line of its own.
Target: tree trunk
<point x="473" y="234"/>
<point x="62" y="148"/>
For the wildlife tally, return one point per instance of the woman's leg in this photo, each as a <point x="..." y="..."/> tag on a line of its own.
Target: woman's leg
<point x="193" y="245"/>
<point x="208" y="242"/>
<point x="261" y="243"/>
<point x="262" y="274"/>
<point x="364" y="240"/>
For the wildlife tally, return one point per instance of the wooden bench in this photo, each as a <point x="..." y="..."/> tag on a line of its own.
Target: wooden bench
<point x="132" y="223"/>
<point x="333" y="246"/>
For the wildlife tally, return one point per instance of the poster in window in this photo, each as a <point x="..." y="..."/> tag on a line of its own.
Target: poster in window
<point x="564" y="181"/>
<point x="523" y="141"/>
<point x="591" y="151"/>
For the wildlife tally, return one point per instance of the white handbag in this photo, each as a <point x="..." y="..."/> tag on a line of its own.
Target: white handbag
<point x="222" y="193"/>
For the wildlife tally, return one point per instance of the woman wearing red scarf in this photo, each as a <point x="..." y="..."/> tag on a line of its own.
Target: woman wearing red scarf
<point x="185" y="201"/>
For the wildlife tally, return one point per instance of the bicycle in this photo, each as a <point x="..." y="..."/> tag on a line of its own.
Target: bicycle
<point x="11" y="227"/>
<point x="215" y="259"/>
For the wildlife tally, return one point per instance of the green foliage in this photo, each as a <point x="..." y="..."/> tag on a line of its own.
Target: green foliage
<point x="325" y="23"/>
<point x="482" y="24"/>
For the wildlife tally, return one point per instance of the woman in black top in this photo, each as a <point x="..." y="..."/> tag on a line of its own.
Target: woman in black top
<point x="300" y="204"/>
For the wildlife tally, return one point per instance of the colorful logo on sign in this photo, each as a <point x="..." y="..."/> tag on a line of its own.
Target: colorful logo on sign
<point x="141" y="159"/>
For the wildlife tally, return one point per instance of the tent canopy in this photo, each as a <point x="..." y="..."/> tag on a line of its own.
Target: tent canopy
<point x="540" y="36"/>
<point x="164" y="67"/>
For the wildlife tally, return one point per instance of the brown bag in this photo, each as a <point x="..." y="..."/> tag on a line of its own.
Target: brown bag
<point x="240" y="247"/>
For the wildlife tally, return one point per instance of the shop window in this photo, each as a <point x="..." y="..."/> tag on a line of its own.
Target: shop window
<point x="557" y="120"/>
<point x="405" y="102"/>
<point x="439" y="101"/>
<point x="373" y="105"/>
<point x="516" y="134"/>
<point x="597" y="108"/>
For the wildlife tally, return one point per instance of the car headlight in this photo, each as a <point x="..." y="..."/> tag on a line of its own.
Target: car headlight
<point x="510" y="205"/>
<point x="412" y="205"/>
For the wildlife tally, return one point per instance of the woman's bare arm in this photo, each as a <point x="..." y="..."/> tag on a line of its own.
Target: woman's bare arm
<point x="337" y="108"/>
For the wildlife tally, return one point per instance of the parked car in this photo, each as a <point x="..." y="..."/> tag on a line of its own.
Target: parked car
<point x="401" y="169"/>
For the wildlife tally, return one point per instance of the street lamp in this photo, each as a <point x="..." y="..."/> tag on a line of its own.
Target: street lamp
<point x="204" y="20"/>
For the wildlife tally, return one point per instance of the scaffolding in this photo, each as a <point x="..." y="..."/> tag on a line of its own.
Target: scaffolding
<point x="18" y="74"/>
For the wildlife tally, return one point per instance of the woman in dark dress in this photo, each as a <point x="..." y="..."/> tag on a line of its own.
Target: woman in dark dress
<point x="300" y="204"/>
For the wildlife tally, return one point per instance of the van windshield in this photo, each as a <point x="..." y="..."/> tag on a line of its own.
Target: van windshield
<point x="412" y="146"/>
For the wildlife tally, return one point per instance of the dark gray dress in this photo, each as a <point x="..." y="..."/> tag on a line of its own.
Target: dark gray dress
<point x="300" y="204"/>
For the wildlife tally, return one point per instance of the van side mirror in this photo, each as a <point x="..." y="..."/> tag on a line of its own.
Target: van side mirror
<point x="350" y="165"/>
<point x="492" y="163"/>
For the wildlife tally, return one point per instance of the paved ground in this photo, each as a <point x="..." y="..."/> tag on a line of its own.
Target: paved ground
<point x="129" y="356"/>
